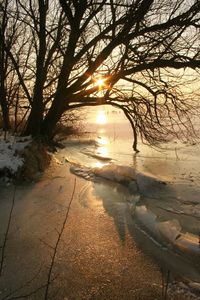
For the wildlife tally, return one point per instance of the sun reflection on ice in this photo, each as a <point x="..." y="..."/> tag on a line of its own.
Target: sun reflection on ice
<point x="99" y="164"/>
<point x="101" y="118"/>
<point x="102" y="140"/>
<point x="101" y="130"/>
<point x="103" y="151"/>
<point x="103" y="146"/>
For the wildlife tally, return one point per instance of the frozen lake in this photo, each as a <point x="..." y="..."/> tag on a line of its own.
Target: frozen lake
<point x="159" y="187"/>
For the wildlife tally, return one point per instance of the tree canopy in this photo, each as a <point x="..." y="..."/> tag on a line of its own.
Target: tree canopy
<point x="137" y="55"/>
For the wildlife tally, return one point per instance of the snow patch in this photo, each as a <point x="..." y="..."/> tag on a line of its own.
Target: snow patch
<point x="10" y="153"/>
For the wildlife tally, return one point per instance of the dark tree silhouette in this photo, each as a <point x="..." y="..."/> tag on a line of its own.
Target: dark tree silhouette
<point x="142" y="49"/>
<point x="3" y="67"/>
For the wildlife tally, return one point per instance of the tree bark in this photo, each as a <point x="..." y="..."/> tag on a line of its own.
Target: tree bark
<point x="5" y="111"/>
<point x="3" y="100"/>
<point x="52" y="117"/>
<point x="36" y="116"/>
<point x="34" y="121"/>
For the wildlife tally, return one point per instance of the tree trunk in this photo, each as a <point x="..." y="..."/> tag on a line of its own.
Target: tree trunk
<point x="37" y="111"/>
<point x="5" y="111"/>
<point x="49" y="123"/>
<point x="3" y="100"/>
<point x="34" y="122"/>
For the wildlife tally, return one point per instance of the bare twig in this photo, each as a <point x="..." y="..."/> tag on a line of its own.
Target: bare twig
<point x="165" y="285"/>
<point x="163" y="282"/>
<point x="11" y="294"/>
<point x="6" y="233"/>
<point x="57" y="243"/>
<point x="25" y="296"/>
<point x="46" y="244"/>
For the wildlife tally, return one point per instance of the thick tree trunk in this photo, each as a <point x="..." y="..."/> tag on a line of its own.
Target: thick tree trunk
<point x="34" y="121"/>
<point x="53" y="116"/>
<point x="37" y="111"/>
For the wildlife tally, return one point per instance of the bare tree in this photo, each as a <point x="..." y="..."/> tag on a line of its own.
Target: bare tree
<point x="3" y="65"/>
<point x="14" y="50"/>
<point x="141" y="49"/>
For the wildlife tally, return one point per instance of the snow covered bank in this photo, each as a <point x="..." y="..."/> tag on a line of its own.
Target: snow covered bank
<point x="21" y="158"/>
<point x="11" y="159"/>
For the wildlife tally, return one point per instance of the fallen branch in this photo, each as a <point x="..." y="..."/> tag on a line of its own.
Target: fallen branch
<point x="6" y="233"/>
<point x="165" y="285"/>
<point x="27" y="283"/>
<point x="57" y="243"/>
<point x="25" y="296"/>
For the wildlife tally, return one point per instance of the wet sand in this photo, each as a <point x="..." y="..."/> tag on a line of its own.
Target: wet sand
<point x="92" y="261"/>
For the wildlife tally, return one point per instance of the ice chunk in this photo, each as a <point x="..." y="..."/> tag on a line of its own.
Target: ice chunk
<point x="189" y="242"/>
<point x="97" y="156"/>
<point x="82" y="172"/>
<point x="121" y="174"/>
<point x="146" y="219"/>
<point x="169" y="230"/>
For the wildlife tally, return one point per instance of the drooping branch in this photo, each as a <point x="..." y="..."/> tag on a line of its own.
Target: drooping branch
<point x="139" y="47"/>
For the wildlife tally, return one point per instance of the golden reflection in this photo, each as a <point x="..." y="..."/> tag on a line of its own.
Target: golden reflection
<point x="101" y="130"/>
<point x="99" y="164"/>
<point x="103" y="151"/>
<point x="102" y="140"/>
<point x="101" y="117"/>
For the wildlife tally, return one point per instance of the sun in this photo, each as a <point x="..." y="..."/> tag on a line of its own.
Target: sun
<point x="101" y="118"/>
<point x="100" y="82"/>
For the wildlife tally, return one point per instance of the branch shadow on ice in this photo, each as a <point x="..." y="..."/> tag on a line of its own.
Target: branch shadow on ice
<point x="150" y="211"/>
